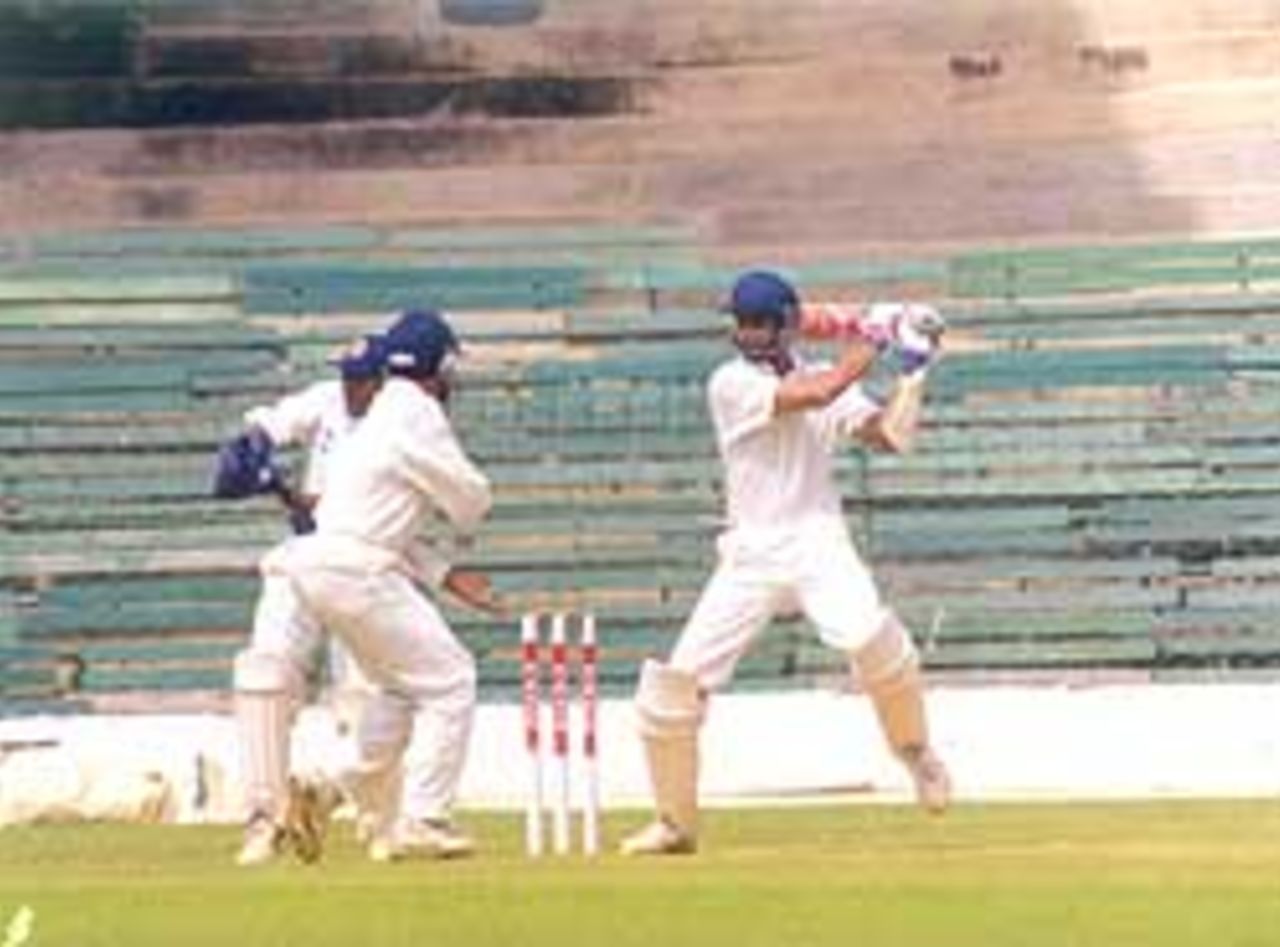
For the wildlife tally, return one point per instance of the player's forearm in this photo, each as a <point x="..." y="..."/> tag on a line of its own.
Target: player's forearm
<point x="801" y="392"/>
<point x="468" y="586"/>
<point x="895" y="428"/>
<point x="473" y="589"/>
<point x="425" y="565"/>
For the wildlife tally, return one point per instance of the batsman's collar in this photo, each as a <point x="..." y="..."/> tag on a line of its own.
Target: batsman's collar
<point x="763" y="294"/>
<point x="364" y="359"/>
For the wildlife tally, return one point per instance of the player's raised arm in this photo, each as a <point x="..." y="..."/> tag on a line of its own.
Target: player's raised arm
<point x="803" y="392"/>
<point x="912" y="332"/>
<point x="893" y="429"/>
<point x="919" y="344"/>
<point x="436" y="462"/>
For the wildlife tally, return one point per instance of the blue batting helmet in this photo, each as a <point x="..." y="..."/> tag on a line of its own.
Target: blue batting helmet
<point x="762" y="294"/>
<point x="362" y="360"/>
<point x="418" y="343"/>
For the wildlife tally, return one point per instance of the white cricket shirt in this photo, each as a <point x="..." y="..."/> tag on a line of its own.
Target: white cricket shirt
<point x="316" y="417"/>
<point x="401" y="463"/>
<point x="778" y="471"/>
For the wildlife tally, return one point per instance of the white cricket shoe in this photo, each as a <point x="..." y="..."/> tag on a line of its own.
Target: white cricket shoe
<point x="659" y="837"/>
<point x="433" y="838"/>
<point x="364" y="828"/>
<point x="931" y="779"/>
<point x="310" y="807"/>
<point x="264" y="841"/>
<point x="377" y="834"/>
<point x="382" y="847"/>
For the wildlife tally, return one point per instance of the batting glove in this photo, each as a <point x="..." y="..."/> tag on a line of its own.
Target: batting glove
<point x="919" y="338"/>
<point x="911" y="330"/>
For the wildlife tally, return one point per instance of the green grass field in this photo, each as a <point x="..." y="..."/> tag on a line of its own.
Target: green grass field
<point x="1194" y="873"/>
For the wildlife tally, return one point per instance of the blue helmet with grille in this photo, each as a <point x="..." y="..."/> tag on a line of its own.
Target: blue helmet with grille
<point x="765" y="296"/>
<point x="418" y="343"/>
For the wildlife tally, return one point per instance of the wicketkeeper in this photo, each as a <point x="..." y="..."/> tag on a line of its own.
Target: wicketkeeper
<point x="269" y="676"/>
<point x="786" y="548"/>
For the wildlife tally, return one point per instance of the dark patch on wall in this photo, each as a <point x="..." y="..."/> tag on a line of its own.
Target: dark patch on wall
<point x="1114" y="60"/>
<point x="330" y="148"/>
<point x="984" y="65"/>
<point x="545" y="97"/>
<point x="159" y="204"/>
<point x="188" y="57"/>
<point x="249" y="102"/>
<point x="183" y="104"/>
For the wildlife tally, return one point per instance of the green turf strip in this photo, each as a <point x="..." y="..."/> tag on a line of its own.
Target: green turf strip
<point x="1151" y="874"/>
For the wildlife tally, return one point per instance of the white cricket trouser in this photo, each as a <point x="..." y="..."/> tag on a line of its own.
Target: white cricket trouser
<point x="428" y="793"/>
<point x="282" y="625"/>
<point x="412" y="662"/>
<point x="811" y="568"/>
<point x="269" y="681"/>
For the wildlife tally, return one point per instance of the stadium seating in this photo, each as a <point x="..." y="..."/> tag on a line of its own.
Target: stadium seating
<point x="1095" y="490"/>
<point x="311" y="288"/>
<point x="1062" y="271"/>
<point x="66" y="40"/>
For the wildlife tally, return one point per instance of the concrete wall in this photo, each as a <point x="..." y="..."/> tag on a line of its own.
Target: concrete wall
<point x="1007" y="742"/>
<point x="803" y="130"/>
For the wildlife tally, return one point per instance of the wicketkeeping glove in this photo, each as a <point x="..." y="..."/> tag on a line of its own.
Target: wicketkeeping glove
<point x="246" y="467"/>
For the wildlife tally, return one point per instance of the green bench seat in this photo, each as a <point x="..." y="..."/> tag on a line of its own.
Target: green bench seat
<point x="975" y="622"/>
<point x="109" y="542"/>
<point x="1152" y="312"/>
<point x="61" y="437"/>
<point x="107" y="592"/>
<point x="1062" y="271"/>
<point x="103" y="319"/>
<point x="85" y="340"/>
<point x="335" y="288"/>
<point x="994" y="656"/>
<point x="20" y="289"/>
<point x="150" y="677"/>
<point x="30" y="672"/>
<point x="134" y="617"/>
<point x="35" y="568"/>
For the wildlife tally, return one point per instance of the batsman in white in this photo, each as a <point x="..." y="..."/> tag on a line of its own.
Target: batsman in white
<point x="358" y="575"/>
<point x="786" y="547"/>
<point x="269" y="675"/>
